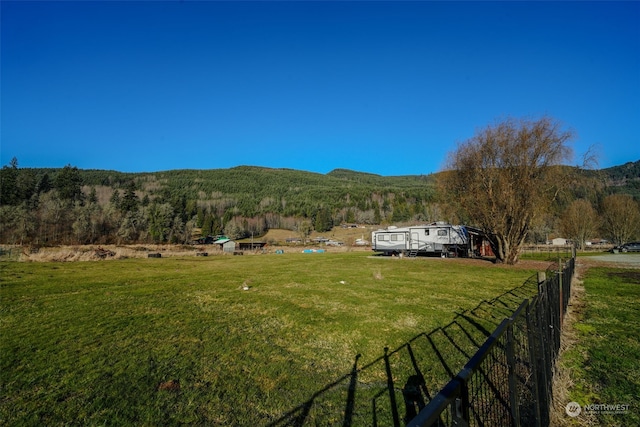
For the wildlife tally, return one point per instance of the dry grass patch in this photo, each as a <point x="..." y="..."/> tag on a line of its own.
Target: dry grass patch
<point x="109" y="252"/>
<point x="563" y="382"/>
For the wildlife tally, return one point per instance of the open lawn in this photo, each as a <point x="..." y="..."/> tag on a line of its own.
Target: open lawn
<point x="604" y="363"/>
<point x="290" y="339"/>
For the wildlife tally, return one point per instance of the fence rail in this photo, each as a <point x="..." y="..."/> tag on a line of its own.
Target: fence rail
<point x="508" y="382"/>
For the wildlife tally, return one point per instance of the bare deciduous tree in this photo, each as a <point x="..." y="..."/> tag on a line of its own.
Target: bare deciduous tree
<point x="579" y="221"/>
<point x="304" y="229"/>
<point x="620" y="218"/>
<point x="503" y="177"/>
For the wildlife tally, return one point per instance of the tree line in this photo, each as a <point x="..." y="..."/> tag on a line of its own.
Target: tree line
<point x="508" y="180"/>
<point x="73" y="206"/>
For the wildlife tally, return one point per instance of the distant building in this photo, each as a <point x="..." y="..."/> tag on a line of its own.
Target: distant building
<point x="226" y="244"/>
<point x="208" y="240"/>
<point x="251" y="246"/>
<point x="559" y="241"/>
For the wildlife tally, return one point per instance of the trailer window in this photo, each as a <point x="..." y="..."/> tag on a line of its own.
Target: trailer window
<point x="397" y="237"/>
<point x="382" y="237"/>
<point x="443" y="232"/>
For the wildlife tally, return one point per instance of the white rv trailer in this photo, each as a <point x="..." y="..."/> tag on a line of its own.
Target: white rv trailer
<point x="436" y="238"/>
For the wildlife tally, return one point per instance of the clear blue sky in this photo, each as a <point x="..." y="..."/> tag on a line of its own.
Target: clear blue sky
<point x="380" y="87"/>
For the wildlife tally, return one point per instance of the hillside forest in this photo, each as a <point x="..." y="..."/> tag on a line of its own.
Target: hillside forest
<point x="51" y="206"/>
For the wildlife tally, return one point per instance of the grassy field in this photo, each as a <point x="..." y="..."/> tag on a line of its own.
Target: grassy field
<point x="347" y="236"/>
<point x="604" y="364"/>
<point x="291" y="339"/>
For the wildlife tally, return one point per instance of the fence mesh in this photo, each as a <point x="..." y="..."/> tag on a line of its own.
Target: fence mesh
<point x="508" y="382"/>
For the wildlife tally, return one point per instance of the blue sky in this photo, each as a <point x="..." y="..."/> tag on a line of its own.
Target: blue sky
<point x="382" y="87"/>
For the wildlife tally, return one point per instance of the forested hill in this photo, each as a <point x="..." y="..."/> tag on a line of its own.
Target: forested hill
<point x="250" y="185"/>
<point x="339" y="188"/>
<point x="241" y="174"/>
<point x="624" y="179"/>
<point x="251" y="190"/>
<point x="101" y="206"/>
<point x="105" y="206"/>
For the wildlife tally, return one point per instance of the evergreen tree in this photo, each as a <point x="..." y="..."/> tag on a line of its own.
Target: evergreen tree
<point x="351" y="216"/>
<point x="25" y="184"/>
<point x="8" y="183"/>
<point x="44" y="184"/>
<point x="115" y="199"/>
<point x="69" y="184"/>
<point x="377" y="218"/>
<point x="160" y="220"/>
<point x="217" y="226"/>
<point x="400" y="212"/>
<point x="129" y="202"/>
<point x="207" y="225"/>
<point x="191" y="210"/>
<point x="93" y="196"/>
<point x="323" y="220"/>
<point x="200" y="217"/>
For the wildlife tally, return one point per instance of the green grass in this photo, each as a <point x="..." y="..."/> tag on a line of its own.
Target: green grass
<point x="550" y="253"/>
<point x="178" y="341"/>
<point x="605" y="364"/>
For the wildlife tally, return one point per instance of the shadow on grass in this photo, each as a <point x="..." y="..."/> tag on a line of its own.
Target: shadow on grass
<point x="392" y="389"/>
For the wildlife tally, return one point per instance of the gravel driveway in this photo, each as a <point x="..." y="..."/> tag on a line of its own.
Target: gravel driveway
<point x="630" y="260"/>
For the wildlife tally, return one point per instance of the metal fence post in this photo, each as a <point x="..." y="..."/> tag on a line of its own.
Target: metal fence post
<point x="560" y="299"/>
<point x="542" y="314"/>
<point x="533" y="356"/>
<point x="465" y="401"/>
<point x="513" y="388"/>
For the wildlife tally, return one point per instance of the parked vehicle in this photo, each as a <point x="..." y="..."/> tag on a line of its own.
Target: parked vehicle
<point x="628" y="247"/>
<point x="436" y="238"/>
